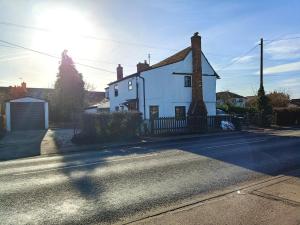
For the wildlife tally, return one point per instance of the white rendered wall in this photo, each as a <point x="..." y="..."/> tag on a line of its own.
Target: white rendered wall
<point x="167" y="90"/>
<point x="124" y="93"/>
<point x="7" y="116"/>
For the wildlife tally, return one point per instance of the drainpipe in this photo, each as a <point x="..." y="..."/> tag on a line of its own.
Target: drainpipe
<point x="144" y="97"/>
<point x="137" y="94"/>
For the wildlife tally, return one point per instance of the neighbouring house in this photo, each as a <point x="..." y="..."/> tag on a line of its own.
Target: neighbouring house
<point x="227" y="97"/>
<point x="101" y="107"/>
<point x="173" y="87"/>
<point x="26" y="114"/>
<point x="295" y="102"/>
<point x="91" y="97"/>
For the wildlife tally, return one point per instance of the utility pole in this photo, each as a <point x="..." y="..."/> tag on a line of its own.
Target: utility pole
<point x="149" y="56"/>
<point x="261" y="63"/>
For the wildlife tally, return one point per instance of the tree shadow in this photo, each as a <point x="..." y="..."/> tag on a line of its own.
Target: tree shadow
<point x="266" y="153"/>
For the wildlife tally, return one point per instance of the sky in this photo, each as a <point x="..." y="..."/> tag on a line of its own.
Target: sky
<point x="101" y="34"/>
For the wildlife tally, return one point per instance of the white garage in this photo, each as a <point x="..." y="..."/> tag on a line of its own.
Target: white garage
<point x="26" y="114"/>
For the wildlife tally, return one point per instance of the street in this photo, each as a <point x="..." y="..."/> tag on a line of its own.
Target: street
<point x="121" y="185"/>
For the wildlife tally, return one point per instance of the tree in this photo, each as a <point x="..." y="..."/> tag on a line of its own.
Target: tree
<point x="17" y="91"/>
<point x="264" y="107"/>
<point x="68" y="91"/>
<point x="279" y="99"/>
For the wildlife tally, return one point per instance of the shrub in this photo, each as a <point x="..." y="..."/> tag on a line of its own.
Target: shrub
<point x="287" y="116"/>
<point x="264" y="107"/>
<point x="236" y="109"/>
<point x="109" y="126"/>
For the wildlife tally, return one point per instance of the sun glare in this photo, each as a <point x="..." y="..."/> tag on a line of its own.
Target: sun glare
<point x="64" y="29"/>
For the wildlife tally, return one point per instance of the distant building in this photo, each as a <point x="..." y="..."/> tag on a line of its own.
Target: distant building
<point x="295" y="102"/>
<point x="103" y="106"/>
<point x="226" y="97"/>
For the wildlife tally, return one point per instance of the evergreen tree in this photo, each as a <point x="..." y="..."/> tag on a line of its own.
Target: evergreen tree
<point x="69" y="91"/>
<point x="264" y="107"/>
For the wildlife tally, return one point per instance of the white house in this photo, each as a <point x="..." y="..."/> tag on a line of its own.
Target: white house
<point x="165" y="89"/>
<point x="224" y="97"/>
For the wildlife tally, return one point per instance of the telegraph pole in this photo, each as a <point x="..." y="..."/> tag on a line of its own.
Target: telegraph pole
<point x="261" y="63"/>
<point x="149" y="56"/>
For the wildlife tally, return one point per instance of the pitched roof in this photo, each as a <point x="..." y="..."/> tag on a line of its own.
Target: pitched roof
<point x="177" y="57"/>
<point x="228" y="94"/>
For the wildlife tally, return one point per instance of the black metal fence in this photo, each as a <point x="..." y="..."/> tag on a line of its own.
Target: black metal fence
<point x="171" y="125"/>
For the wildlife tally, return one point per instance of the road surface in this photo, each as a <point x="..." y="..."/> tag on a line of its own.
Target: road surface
<point x="124" y="184"/>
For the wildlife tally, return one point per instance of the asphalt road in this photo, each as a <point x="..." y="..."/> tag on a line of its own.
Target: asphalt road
<point x="122" y="184"/>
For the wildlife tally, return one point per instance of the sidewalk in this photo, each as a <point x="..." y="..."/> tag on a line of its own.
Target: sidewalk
<point x="276" y="202"/>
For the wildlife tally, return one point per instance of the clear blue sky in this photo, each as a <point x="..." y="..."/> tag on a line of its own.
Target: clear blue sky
<point x="228" y="30"/>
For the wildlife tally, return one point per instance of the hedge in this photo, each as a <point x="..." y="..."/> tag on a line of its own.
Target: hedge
<point x="236" y="109"/>
<point x="287" y="116"/>
<point x="109" y="126"/>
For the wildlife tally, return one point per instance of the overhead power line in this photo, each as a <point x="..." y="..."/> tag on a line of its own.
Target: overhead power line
<point x="88" y="36"/>
<point x="53" y="56"/>
<point x="239" y="58"/>
<point x="280" y="39"/>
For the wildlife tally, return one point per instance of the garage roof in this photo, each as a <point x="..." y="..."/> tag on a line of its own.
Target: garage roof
<point x="26" y="99"/>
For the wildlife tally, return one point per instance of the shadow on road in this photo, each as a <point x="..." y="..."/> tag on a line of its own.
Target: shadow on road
<point x="266" y="153"/>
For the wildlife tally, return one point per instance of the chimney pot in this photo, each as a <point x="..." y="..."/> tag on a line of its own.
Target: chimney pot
<point x="142" y="66"/>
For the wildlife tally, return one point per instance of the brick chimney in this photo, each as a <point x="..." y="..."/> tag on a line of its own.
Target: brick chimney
<point x="197" y="106"/>
<point x="119" y="72"/>
<point x="142" y="66"/>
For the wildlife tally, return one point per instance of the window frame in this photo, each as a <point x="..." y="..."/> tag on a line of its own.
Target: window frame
<point x="116" y="90"/>
<point x="187" y="81"/>
<point x="151" y="114"/>
<point x="130" y="85"/>
<point x="182" y="114"/>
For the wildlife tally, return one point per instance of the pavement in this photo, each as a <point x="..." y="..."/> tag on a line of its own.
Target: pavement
<point x="275" y="201"/>
<point x="130" y="184"/>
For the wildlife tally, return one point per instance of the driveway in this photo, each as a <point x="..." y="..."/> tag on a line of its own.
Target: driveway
<point x="19" y="144"/>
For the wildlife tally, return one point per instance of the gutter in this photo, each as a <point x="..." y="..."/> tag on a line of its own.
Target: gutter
<point x="144" y="97"/>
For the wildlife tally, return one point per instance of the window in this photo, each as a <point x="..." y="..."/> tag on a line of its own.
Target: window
<point x="122" y="108"/>
<point x="179" y="112"/>
<point x="116" y="90"/>
<point x="187" y="81"/>
<point x="154" y="112"/>
<point x="117" y="108"/>
<point x="107" y="93"/>
<point x="130" y="85"/>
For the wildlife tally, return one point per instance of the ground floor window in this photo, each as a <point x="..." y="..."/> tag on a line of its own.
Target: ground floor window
<point x="154" y="111"/>
<point x="180" y="112"/>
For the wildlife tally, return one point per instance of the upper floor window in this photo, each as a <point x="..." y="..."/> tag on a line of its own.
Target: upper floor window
<point x="116" y="90"/>
<point x="187" y="81"/>
<point x="107" y="93"/>
<point x="180" y="112"/>
<point x="130" y="85"/>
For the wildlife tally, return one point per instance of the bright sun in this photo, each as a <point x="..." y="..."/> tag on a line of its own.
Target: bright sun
<point x="64" y="29"/>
